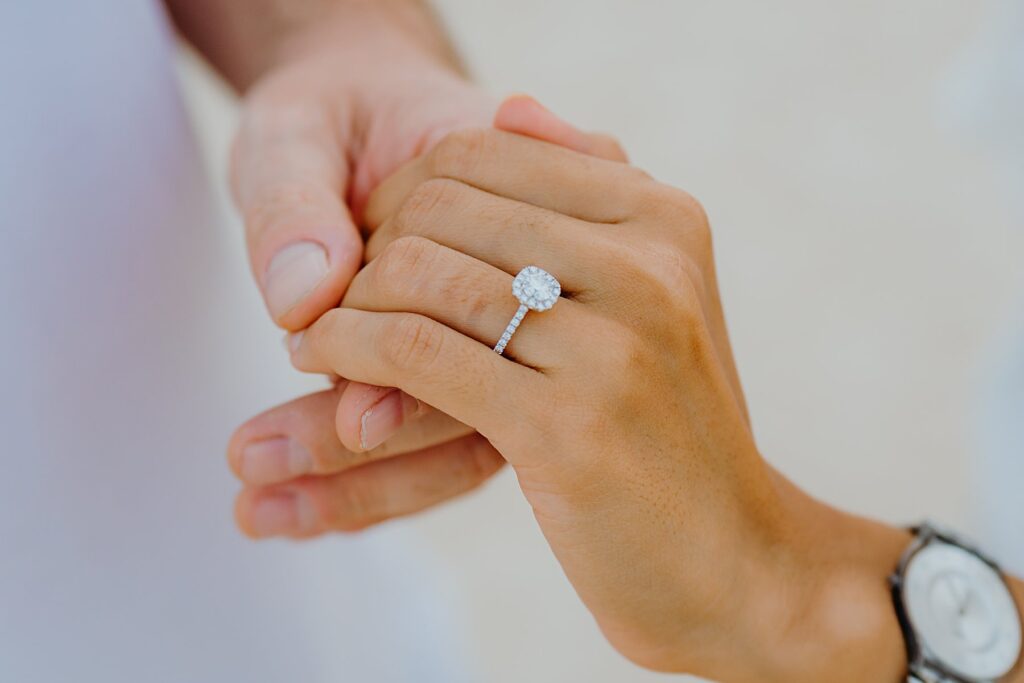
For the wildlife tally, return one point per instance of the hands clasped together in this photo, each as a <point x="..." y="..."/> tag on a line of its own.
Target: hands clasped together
<point x="619" y="409"/>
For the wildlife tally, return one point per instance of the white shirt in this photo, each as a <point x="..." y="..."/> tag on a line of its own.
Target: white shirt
<point x="133" y="342"/>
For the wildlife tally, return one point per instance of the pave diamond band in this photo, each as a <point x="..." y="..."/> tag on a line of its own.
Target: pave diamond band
<point x="536" y="290"/>
<point x="499" y="348"/>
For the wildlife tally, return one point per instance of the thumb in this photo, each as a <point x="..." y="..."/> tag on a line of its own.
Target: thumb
<point x="288" y="175"/>
<point x="526" y="116"/>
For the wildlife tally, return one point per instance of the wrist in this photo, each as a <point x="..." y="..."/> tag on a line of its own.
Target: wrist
<point x="245" y="40"/>
<point x="369" y="40"/>
<point x="823" y="610"/>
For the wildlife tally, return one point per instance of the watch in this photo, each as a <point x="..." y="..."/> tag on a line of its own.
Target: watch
<point x="959" y="620"/>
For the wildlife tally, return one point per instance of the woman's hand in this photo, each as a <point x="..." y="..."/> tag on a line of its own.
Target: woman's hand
<point x="402" y="456"/>
<point x="619" y="409"/>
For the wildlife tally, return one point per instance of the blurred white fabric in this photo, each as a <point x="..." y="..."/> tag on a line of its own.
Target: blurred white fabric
<point x="984" y="99"/>
<point x="134" y="340"/>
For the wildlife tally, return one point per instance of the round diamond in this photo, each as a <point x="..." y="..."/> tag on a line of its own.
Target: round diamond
<point x="536" y="289"/>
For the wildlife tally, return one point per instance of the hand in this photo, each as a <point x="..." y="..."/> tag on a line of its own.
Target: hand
<point x="620" y="409"/>
<point x="317" y="134"/>
<point x="395" y="456"/>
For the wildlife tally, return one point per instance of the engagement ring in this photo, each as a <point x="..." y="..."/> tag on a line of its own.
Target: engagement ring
<point x="536" y="290"/>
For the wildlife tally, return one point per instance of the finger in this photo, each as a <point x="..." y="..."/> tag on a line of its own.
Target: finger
<point x="447" y="370"/>
<point x="416" y="275"/>
<point x="519" y="168"/>
<point x="289" y="177"/>
<point x="370" y="494"/>
<point x="505" y="233"/>
<point x="519" y="114"/>
<point x="298" y="438"/>
<point x="608" y="147"/>
<point x="524" y="115"/>
<point x="383" y="421"/>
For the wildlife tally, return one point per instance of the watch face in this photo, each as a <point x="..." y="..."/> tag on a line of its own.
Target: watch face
<point x="962" y="611"/>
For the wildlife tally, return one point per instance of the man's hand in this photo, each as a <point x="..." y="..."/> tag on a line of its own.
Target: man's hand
<point x="337" y="94"/>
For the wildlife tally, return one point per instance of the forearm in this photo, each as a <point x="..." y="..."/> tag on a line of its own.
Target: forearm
<point x="243" y="38"/>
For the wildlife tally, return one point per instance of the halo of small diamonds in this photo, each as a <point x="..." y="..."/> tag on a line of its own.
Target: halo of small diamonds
<point x="536" y="288"/>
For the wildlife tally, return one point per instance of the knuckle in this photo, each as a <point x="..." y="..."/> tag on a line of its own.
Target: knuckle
<point x="692" y="220"/>
<point x="403" y="263"/>
<point x="459" y="152"/>
<point x="354" y="505"/>
<point x="639" y="176"/>
<point x="642" y="187"/>
<point x="680" y="281"/>
<point x="411" y="344"/>
<point x="319" y="336"/>
<point x="278" y="206"/>
<point x="468" y="289"/>
<point x="426" y="205"/>
<point x="684" y="214"/>
<point x="669" y="277"/>
<point x="616" y="150"/>
<point x="609" y="147"/>
<point x="654" y="198"/>
<point x="686" y="204"/>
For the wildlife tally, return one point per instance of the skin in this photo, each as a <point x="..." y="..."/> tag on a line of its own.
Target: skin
<point x="630" y="438"/>
<point x="337" y="94"/>
<point x="366" y="487"/>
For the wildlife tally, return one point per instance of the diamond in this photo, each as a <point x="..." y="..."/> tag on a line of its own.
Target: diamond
<point x="536" y="289"/>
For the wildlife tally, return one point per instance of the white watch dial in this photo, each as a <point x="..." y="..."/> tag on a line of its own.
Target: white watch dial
<point x="962" y="611"/>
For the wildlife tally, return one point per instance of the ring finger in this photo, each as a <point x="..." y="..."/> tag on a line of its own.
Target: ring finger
<point x="417" y="275"/>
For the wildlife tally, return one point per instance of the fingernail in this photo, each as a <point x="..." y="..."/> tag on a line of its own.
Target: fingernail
<point x="281" y="514"/>
<point x="293" y="273"/>
<point x="272" y="460"/>
<point x="293" y="340"/>
<point x="384" y="418"/>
